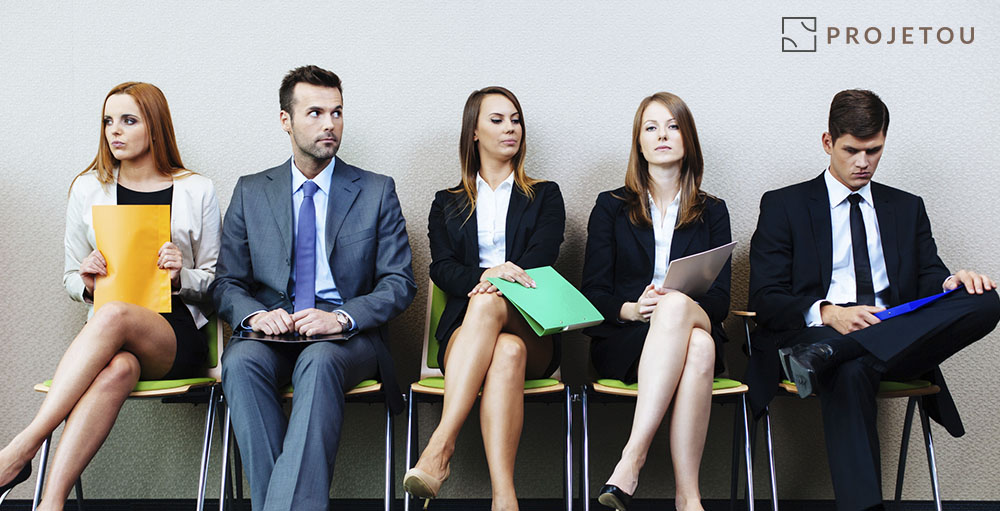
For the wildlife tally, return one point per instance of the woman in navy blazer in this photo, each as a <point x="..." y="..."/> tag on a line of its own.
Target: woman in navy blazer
<point x="476" y="232"/>
<point x="667" y="341"/>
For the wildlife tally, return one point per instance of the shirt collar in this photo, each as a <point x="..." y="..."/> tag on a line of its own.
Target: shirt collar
<point x="838" y="192"/>
<point x="323" y="180"/>
<point x="652" y="204"/>
<point x="481" y="183"/>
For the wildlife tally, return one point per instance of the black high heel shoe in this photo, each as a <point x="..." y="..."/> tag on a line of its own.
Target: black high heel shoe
<point x="21" y="477"/>
<point x="613" y="497"/>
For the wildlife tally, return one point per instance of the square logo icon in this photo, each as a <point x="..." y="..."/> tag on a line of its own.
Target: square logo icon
<point x="798" y="34"/>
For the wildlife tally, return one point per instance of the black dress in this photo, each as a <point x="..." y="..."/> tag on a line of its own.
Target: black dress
<point x="617" y="266"/>
<point x="191" y="347"/>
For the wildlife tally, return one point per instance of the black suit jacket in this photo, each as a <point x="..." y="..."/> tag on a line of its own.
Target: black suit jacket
<point x="618" y="263"/>
<point x="791" y="260"/>
<point x="533" y="235"/>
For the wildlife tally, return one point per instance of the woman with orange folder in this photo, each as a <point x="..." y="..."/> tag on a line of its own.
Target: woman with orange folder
<point x="495" y="223"/>
<point x="137" y="162"/>
<point x="667" y="341"/>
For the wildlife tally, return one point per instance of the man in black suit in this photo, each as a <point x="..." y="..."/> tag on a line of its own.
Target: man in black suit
<point x="815" y="289"/>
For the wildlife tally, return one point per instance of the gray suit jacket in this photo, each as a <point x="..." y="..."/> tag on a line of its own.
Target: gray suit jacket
<point x="366" y="241"/>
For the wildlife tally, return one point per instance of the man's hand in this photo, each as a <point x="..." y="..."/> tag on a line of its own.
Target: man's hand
<point x="975" y="283"/>
<point x="274" y="322"/>
<point x="849" y="319"/>
<point x="311" y="322"/>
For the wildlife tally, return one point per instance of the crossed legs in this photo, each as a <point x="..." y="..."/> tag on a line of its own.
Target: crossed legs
<point x="94" y="377"/>
<point x="494" y="349"/>
<point x="676" y="366"/>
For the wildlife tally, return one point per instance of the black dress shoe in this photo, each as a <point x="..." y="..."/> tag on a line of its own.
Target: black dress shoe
<point x="613" y="497"/>
<point x="21" y="477"/>
<point x="804" y="362"/>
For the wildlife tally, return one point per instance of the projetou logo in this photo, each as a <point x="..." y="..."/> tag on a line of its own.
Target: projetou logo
<point x="800" y="34"/>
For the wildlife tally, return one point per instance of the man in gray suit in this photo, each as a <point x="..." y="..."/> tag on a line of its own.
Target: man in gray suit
<point x="313" y="246"/>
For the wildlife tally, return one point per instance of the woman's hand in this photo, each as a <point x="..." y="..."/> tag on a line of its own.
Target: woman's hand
<point x="170" y="259"/>
<point x="92" y="266"/>
<point x="509" y="272"/>
<point x="643" y="307"/>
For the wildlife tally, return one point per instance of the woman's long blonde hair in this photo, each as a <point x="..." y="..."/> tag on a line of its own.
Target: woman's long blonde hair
<point x="162" y="143"/>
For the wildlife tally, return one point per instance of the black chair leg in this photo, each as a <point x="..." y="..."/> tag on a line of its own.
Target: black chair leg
<point x="931" y="460"/>
<point x="79" y="494"/>
<point x="585" y="462"/>
<point x="903" y="445"/>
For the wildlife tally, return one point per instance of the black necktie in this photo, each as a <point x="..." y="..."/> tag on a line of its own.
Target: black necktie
<point x="859" y="244"/>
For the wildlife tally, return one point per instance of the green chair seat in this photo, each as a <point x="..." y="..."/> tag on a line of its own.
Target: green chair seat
<point x="717" y="384"/>
<point x="437" y="382"/>
<point x="148" y="385"/>
<point x="365" y="383"/>
<point x="892" y="386"/>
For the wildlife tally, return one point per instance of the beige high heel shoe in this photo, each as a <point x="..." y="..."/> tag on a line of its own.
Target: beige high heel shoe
<point x="422" y="485"/>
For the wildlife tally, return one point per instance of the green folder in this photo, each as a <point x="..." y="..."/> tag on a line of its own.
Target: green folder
<point x="554" y="305"/>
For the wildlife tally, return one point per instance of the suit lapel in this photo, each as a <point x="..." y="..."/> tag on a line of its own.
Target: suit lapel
<point x="819" y="214"/>
<point x="886" y="215"/>
<point x="515" y="210"/>
<point x="680" y="241"/>
<point x="469" y="230"/>
<point x="343" y="192"/>
<point x="645" y="238"/>
<point x="279" y="196"/>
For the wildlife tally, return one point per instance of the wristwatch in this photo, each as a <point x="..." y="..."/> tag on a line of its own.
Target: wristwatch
<point x="345" y="322"/>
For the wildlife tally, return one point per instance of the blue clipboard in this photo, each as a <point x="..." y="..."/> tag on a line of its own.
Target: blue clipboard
<point x="899" y="310"/>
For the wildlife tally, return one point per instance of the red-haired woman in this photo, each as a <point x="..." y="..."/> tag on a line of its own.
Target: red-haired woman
<point x="496" y="223"/>
<point x="137" y="162"/>
<point x="664" y="339"/>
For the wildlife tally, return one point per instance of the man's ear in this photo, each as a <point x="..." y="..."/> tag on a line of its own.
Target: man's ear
<point x="286" y="121"/>
<point x="827" y="141"/>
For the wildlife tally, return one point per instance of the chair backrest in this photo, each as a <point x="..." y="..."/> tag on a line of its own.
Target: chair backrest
<point x="213" y="335"/>
<point x="436" y="300"/>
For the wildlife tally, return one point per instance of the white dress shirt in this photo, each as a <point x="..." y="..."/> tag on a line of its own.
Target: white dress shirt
<point x="843" y="288"/>
<point x="663" y="234"/>
<point x="491" y="220"/>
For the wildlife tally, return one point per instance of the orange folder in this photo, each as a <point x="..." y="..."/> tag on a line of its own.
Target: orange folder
<point x="129" y="237"/>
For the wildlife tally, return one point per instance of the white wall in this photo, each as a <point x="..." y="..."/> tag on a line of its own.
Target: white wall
<point x="579" y="69"/>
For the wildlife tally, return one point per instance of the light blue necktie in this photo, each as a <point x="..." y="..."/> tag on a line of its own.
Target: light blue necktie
<point x="305" y="250"/>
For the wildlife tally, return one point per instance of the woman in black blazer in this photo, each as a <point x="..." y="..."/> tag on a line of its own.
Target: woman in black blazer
<point x="667" y="341"/>
<point x="477" y="232"/>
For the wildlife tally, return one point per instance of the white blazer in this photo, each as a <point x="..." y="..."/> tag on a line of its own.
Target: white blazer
<point x="195" y="227"/>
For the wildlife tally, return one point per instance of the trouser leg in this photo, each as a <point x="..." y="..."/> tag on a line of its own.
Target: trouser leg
<point x="849" y="424"/>
<point x="322" y="374"/>
<point x="251" y="371"/>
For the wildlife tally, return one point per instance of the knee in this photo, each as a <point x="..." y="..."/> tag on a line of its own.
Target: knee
<point x="486" y="306"/>
<point x="121" y="373"/>
<point x="321" y="362"/>
<point x="672" y="306"/>
<point x="509" y="353"/>
<point x="988" y="305"/>
<point x="110" y="317"/>
<point x="701" y="352"/>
